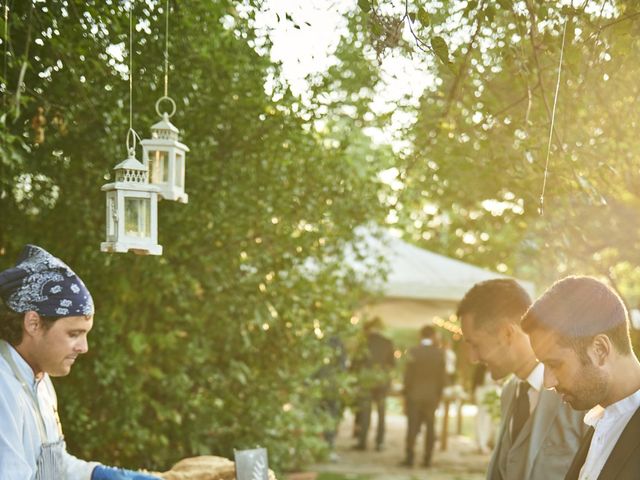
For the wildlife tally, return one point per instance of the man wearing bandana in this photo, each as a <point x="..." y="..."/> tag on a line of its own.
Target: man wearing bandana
<point x="45" y="316"/>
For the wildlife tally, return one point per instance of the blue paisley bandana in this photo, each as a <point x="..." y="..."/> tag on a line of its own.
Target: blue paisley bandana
<point x="44" y="284"/>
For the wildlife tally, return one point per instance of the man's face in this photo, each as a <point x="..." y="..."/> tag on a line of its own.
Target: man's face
<point x="55" y="349"/>
<point x="578" y="380"/>
<point x="488" y="346"/>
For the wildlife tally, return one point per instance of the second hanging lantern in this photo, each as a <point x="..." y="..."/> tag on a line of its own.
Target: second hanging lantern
<point x="164" y="155"/>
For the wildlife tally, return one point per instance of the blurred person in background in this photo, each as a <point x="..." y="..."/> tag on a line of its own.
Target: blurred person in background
<point x="424" y="380"/>
<point x="375" y="369"/>
<point x="485" y="391"/>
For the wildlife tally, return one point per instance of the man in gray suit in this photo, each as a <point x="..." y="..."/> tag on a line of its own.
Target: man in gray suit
<point x="539" y="435"/>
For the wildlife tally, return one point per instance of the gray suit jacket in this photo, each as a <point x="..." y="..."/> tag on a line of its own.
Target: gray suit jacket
<point x="546" y="445"/>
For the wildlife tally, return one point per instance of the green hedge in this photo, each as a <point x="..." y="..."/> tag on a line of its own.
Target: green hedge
<point x="214" y="345"/>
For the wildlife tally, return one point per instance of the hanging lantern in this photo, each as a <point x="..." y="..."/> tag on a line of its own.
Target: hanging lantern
<point x="132" y="210"/>
<point x="164" y="156"/>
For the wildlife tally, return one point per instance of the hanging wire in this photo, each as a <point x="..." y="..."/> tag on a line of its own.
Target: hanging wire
<point x="130" y="65"/>
<point x="553" y="118"/>
<point x="5" y="90"/>
<point x="5" y="41"/>
<point x="166" y="53"/>
<point x="166" y="97"/>
<point x="132" y="141"/>
<point x="131" y="133"/>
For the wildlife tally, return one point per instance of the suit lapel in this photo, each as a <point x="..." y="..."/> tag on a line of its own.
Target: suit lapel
<point x="626" y="444"/>
<point x="504" y="438"/>
<point x="581" y="455"/>
<point x="539" y="424"/>
<point x="507" y="413"/>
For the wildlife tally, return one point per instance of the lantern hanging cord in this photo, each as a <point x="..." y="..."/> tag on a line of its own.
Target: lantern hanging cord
<point x="132" y="136"/>
<point x="5" y="41"/>
<point x="166" y="53"/>
<point x="553" y="118"/>
<point x="130" y="66"/>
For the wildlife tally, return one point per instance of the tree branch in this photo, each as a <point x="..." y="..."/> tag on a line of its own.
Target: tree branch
<point x="452" y="91"/>
<point x="25" y="62"/>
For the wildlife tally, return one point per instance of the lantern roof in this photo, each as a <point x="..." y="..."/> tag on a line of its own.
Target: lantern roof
<point x="165" y="124"/>
<point x="131" y="163"/>
<point x="132" y="171"/>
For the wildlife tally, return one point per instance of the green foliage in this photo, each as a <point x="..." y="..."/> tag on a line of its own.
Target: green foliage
<point x="474" y="175"/>
<point x="492" y="401"/>
<point x="214" y="345"/>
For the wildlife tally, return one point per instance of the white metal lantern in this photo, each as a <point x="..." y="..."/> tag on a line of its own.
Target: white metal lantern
<point x="132" y="210"/>
<point x="165" y="156"/>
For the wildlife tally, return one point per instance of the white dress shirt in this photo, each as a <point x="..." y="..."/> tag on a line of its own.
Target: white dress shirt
<point x="19" y="435"/>
<point x="608" y="423"/>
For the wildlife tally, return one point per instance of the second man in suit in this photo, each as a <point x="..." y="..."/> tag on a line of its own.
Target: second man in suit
<point x="378" y="361"/>
<point x="424" y="380"/>
<point x="538" y="434"/>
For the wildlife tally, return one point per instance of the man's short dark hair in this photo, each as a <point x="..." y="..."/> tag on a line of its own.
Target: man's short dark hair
<point x="495" y="301"/>
<point x="578" y="308"/>
<point x="427" y="332"/>
<point x="11" y="324"/>
<point x="373" y="324"/>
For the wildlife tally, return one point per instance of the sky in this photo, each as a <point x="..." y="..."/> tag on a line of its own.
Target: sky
<point x="310" y="48"/>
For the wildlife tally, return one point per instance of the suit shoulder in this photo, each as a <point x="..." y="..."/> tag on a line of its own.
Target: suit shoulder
<point x="386" y="340"/>
<point x="412" y="353"/>
<point x="570" y="421"/>
<point x="575" y="417"/>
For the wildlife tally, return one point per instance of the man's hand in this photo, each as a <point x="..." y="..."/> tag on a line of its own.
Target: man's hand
<point x="109" y="473"/>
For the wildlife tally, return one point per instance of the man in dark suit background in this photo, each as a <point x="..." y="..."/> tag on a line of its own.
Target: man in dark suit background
<point x="376" y="367"/>
<point x="579" y="329"/>
<point x="424" y="379"/>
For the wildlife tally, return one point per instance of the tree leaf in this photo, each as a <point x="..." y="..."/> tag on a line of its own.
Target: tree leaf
<point x="441" y="49"/>
<point x="471" y="5"/>
<point x="376" y="28"/>
<point x="365" y="5"/>
<point x="423" y="17"/>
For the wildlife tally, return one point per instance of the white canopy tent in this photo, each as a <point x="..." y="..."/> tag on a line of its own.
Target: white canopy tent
<point x="420" y="284"/>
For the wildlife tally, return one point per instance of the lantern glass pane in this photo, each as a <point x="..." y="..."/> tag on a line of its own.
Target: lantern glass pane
<point x="159" y="166"/>
<point x="137" y="212"/>
<point x="179" y="170"/>
<point x="112" y="216"/>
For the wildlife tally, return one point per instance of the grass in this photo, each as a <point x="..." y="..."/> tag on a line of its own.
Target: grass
<point x="394" y="405"/>
<point x="343" y="476"/>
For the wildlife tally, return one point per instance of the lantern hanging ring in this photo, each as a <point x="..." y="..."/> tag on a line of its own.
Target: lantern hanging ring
<point x="131" y="138"/>
<point x="168" y="99"/>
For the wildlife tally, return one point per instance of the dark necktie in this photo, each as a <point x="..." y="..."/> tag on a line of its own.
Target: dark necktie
<point x="521" y="410"/>
<point x="581" y="455"/>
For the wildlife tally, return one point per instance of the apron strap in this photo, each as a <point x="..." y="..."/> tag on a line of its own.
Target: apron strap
<point x="4" y="351"/>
